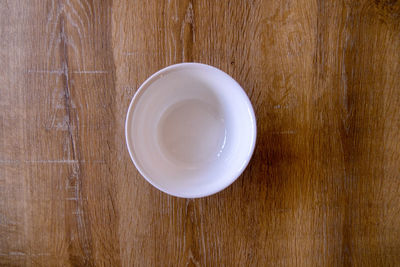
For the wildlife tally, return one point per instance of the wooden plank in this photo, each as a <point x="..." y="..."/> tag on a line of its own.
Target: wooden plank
<point x="65" y="94"/>
<point x="323" y="185"/>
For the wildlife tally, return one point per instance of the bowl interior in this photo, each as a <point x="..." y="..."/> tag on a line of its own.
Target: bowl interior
<point x="190" y="130"/>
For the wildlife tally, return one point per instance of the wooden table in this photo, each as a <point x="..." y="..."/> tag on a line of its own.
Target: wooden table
<point x="322" y="189"/>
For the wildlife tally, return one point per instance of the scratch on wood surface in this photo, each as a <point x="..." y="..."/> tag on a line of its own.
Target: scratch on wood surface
<point x="63" y="71"/>
<point x="45" y="161"/>
<point x="144" y="53"/>
<point x="90" y="72"/>
<point x="161" y="53"/>
<point x="58" y="72"/>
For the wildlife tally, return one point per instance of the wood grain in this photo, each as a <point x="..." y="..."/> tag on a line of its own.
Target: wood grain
<point x="323" y="187"/>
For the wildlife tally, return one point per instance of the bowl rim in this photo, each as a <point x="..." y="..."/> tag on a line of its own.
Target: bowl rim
<point x="128" y="121"/>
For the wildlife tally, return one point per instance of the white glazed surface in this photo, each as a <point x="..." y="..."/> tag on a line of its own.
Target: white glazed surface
<point x="190" y="130"/>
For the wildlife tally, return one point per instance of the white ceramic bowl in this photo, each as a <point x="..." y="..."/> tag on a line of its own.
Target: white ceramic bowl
<point x="190" y="130"/>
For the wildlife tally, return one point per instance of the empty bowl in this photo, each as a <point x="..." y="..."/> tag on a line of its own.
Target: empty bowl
<point x="190" y="130"/>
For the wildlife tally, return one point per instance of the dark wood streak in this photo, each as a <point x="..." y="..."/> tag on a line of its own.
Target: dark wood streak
<point x="76" y="210"/>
